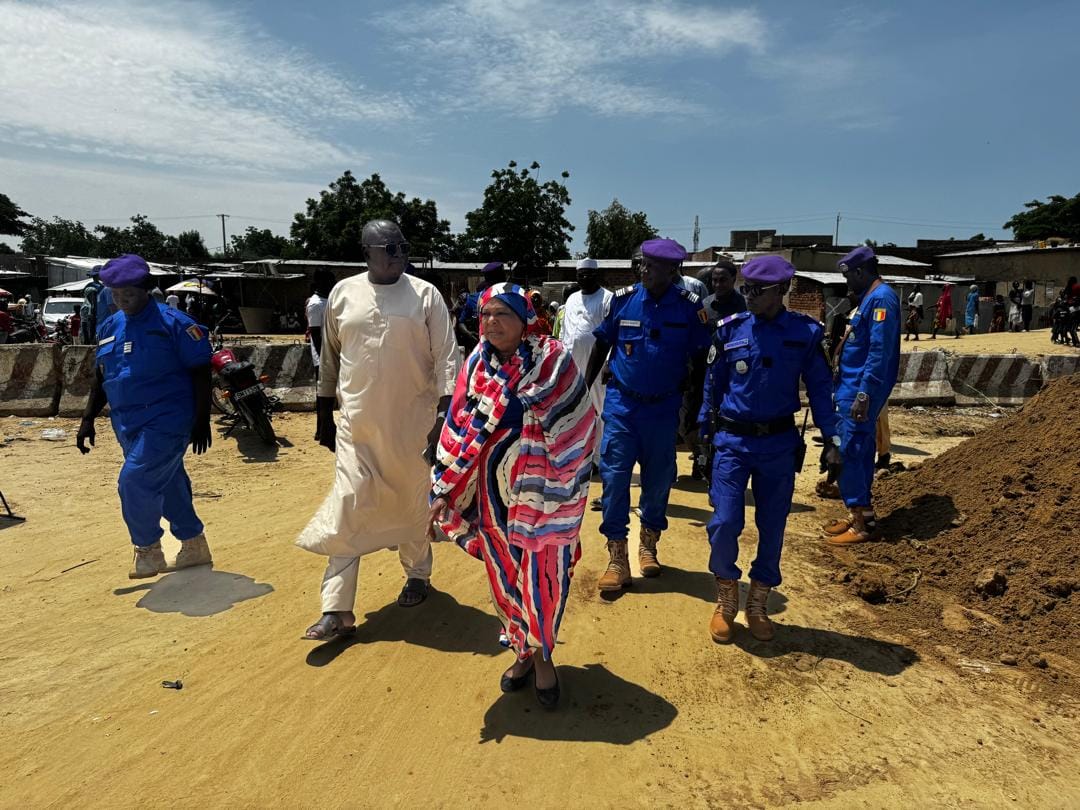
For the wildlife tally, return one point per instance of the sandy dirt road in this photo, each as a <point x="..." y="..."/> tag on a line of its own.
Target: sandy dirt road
<point x="1032" y="344"/>
<point x="833" y="713"/>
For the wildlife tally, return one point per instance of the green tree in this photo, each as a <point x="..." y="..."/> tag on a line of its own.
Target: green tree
<point x="332" y="225"/>
<point x="616" y="232"/>
<point x="255" y="243"/>
<point x="142" y="237"/>
<point x="1058" y="216"/>
<point x="187" y="247"/>
<point x="521" y="220"/>
<point x="59" y="237"/>
<point x="11" y="217"/>
<point x="5" y="248"/>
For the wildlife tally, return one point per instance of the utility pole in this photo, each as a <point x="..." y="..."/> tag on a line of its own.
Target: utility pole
<point x="224" y="247"/>
<point x="836" y="236"/>
<point x="697" y="232"/>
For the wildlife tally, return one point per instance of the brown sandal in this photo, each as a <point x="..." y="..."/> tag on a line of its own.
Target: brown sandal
<point x="329" y="627"/>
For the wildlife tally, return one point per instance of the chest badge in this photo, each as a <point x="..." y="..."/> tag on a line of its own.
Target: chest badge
<point x="741" y="367"/>
<point x="712" y="355"/>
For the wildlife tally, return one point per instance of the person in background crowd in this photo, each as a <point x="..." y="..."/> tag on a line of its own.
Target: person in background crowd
<point x="153" y="371"/>
<point x="157" y="294"/>
<point x="693" y="284"/>
<point x="29" y="310"/>
<point x="292" y="320"/>
<point x="1027" y="304"/>
<point x="943" y="314"/>
<point x="466" y="323"/>
<point x="389" y="358"/>
<point x="315" y="311"/>
<point x="7" y="325"/>
<point x="172" y="300"/>
<point x="89" y="307"/>
<point x="1071" y="305"/>
<point x="915" y="299"/>
<point x="724" y="299"/>
<point x="511" y="478"/>
<point x="651" y="332"/>
<point x="866" y="371"/>
<point x="911" y="325"/>
<point x="75" y="324"/>
<point x="971" y="310"/>
<point x="751" y="395"/>
<point x="997" y="318"/>
<point x="560" y="316"/>
<point x="543" y="323"/>
<point x="1016" y="295"/>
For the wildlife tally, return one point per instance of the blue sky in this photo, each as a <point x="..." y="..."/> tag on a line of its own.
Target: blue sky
<point x="913" y="119"/>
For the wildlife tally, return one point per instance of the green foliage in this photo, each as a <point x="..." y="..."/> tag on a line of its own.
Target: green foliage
<point x="5" y="248"/>
<point x="1058" y="216"/>
<point x="11" y="217"/>
<point x="257" y="243"/>
<point x="187" y="247"/>
<point x="521" y="220"/>
<point x="59" y="237"/>
<point x="616" y="232"/>
<point x="332" y="225"/>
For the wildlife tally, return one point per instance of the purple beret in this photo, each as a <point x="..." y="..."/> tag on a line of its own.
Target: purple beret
<point x="857" y="258"/>
<point x="492" y="267"/>
<point x="667" y="250"/>
<point x="768" y="270"/>
<point x="127" y="270"/>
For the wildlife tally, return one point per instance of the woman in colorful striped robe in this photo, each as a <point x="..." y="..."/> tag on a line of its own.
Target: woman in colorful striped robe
<point x="511" y="478"/>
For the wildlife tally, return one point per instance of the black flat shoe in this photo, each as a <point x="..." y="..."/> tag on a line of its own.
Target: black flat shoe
<point x="510" y="684"/>
<point x="548" y="698"/>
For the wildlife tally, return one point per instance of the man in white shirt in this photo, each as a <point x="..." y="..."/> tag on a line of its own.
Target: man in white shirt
<point x="173" y="301"/>
<point x="584" y="312"/>
<point x="315" y="311"/>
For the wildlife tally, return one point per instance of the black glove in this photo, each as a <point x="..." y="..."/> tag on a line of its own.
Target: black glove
<point x="86" y="434"/>
<point x="201" y="436"/>
<point x="833" y="461"/>
<point x="328" y="427"/>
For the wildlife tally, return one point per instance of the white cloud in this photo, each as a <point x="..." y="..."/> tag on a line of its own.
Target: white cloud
<point x="535" y="59"/>
<point x="172" y="85"/>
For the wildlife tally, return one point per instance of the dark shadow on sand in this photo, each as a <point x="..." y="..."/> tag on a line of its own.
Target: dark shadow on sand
<point x="199" y="591"/>
<point x="868" y="654"/>
<point x="596" y="706"/>
<point x="439" y="622"/>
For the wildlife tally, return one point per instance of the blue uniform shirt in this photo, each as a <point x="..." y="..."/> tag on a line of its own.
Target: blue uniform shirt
<point x="653" y="339"/>
<point x="146" y="362"/>
<point x="870" y="357"/>
<point x="754" y="370"/>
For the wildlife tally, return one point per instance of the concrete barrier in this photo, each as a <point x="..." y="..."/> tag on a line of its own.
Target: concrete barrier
<point x="289" y="368"/>
<point x="923" y="380"/>
<point x="29" y="379"/>
<point x="77" y="372"/>
<point x="1060" y="365"/>
<point x="1003" y="379"/>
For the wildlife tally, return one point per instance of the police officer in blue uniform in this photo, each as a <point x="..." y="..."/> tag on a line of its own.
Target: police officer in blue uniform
<point x="751" y="396"/>
<point x="867" y="366"/>
<point x="651" y="332"/>
<point x="467" y="322"/>
<point x="153" y="370"/>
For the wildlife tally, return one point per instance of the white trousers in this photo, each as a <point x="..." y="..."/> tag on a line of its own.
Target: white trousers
<point x="343" y="574"/>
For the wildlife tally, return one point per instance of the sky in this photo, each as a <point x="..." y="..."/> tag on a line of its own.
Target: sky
<point x="910" y="120"/>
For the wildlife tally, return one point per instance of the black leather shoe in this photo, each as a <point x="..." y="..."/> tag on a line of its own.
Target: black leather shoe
<point x="509" y="684"/>
<point x="548" y="698"/>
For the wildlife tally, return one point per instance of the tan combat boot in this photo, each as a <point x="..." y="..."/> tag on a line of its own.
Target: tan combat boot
<point x="722" y="626"/>
<point x="646" y="553"/>
<point x="149" y="562"/>
<point x="757" y="613"/>
<point x="192" y="552"/>
<point x="864" y="526"/>
<point x="617" y="575"/>
<point x="839" y="526"/>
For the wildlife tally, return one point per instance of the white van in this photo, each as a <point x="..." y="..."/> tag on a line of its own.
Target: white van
<point x="57" y="308"/>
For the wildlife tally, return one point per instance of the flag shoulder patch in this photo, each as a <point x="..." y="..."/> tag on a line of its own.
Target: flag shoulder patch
<point x="879" y="314"/>
<point x="194" y="332"/>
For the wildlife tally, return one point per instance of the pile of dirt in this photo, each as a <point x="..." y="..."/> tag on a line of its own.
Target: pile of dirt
<point x="990" y="532"/>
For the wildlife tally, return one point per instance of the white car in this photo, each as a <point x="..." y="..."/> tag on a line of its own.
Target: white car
<point x="58" y="308"/>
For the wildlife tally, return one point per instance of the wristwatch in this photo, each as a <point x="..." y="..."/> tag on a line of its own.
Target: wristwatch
<point x="861" y="396"/>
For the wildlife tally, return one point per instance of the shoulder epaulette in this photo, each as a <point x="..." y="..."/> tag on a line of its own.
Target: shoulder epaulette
<point x="731" y="318"/>
<point x="619" y="293"/>
<point x="692" y="297"/>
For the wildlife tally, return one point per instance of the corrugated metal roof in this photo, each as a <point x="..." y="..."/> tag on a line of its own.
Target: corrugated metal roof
<point x="838" y="278"/>
<point x="995" y="251"/>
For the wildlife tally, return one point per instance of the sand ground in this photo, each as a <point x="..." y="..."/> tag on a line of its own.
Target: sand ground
<point x="834" y="713"/>
<point x="1032" y="344"/>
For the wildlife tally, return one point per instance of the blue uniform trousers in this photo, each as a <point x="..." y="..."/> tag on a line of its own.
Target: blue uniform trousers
<point x="771" y="475"/>
<point x="857" y="447"/>
<point x="153" y="484"/>
<point x="643" y="437"/>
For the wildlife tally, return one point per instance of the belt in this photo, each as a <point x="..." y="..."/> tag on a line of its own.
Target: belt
<point x="647" y="397"/>
<point x="781" y="425"/>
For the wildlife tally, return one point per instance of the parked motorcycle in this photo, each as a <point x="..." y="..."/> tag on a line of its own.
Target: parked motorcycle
<point x="240" y="395"/>
<point x="29" y="330"/>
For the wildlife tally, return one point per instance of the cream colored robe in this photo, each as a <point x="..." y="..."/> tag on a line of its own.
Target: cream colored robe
<point x="388" y="354"/>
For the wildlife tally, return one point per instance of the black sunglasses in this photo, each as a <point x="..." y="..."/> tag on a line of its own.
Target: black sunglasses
<point x="754" y="290"/>
<point x="393" y="248"/>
